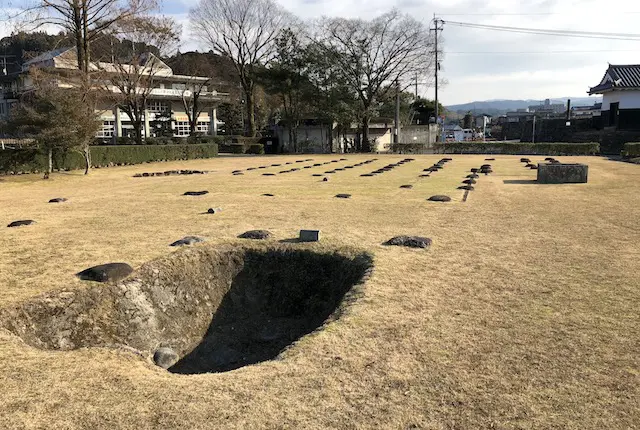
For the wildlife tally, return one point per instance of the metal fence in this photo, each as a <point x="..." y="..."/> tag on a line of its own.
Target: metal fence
<point x="6" y="144"/>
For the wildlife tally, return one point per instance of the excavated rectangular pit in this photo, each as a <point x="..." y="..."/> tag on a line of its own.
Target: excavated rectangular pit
<point x="218" y="308"/>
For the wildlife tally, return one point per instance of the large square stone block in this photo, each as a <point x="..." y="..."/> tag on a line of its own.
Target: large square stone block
<point x="560" y="173"/>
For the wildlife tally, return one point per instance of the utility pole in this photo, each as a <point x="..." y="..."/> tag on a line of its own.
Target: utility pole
<point x="533" y="136"/>
<point x="416" y="86"/>
<point x="396" y="136"/>
<point x="436" y="28"/>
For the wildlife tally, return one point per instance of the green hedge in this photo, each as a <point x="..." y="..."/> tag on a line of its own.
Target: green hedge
<point x="35" y="160"/>
<point x="404" y="148"/>
<point x="631" y="149"/>
<point x="163" y="140"/>
<point x="232" y="148"/>
<point x="519" y="148"/>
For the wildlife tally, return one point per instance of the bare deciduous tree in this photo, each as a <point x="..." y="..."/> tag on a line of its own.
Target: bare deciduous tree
<point x="245" y="31"/>
<point x="193" y="107"/>
<point x="373" y="54"/>
<point x="86" y="20"/>
<point x="129" y="84"/>
<point x="59" y="112"/>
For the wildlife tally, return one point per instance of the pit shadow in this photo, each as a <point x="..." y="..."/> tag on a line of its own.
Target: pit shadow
<point x="275" y="299"/>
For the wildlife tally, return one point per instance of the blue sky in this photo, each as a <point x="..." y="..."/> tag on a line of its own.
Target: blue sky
<point x="482" y="64"/>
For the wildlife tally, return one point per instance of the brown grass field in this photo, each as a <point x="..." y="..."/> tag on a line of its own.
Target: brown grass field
<point x="523" y="314"/>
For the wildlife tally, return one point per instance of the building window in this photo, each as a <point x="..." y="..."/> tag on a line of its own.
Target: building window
<point x="157" y="106"/>
<point x="182" y="128"/>
<point x="202" y="127"/>
<point x="107" y="129"/>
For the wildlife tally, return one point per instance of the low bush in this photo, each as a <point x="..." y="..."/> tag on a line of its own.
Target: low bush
<point x="158" y="141"/>
<point x="255" y="148"/>
<point x="245" y="140"/>
<point x="631" y="150"/>
<point x="123" y="140"/>
<point x="232" y="148"/>
<point x="218" y="140"/>
<point x="35" y="160"/>
<point x="526" y="148"/>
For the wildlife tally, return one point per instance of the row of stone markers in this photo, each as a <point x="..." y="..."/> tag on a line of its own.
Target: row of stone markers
<point x="171" y="173"/>
<point x="530" y="165"/>
<point x="248" y="169"/>
<point x="348" y="167"/>
<point x="343" y="168"/>
<point x="388" y="167"/>
<point x="114" y="272"/>
<point x="308" y="167"/>
<point x="435" y="168"/>
<point x="305" y="236"/>
<point x="471" y="178"/>
<point x="297" y="169"/>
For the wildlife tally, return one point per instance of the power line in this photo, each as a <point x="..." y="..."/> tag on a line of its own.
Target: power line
<point x="497" y="14"/>
<point x="550" y="32"/>
<point x="520" y="14"/>
<point x="536" y="52"/>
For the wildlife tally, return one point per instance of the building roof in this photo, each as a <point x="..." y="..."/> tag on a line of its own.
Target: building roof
<point x="49" y="55"/>
<point x="622" y="77"/>
<point x="66" y="58"/>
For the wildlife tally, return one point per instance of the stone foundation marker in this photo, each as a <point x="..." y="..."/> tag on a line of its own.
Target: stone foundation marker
<point x="309" y="235"/>
<point x="558" y="173"/>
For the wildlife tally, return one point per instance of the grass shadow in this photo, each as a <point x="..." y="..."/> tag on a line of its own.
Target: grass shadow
<point x="292" y="240"/>
<point x="520" y="181"/>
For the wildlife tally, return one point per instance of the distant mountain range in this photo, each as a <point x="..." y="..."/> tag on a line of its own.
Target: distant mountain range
<point x="500" y="107"/>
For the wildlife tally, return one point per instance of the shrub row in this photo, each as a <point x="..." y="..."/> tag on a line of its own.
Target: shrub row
<point x="519" y="148"/>
<point x="226" y="144"/>
<point x="35" y="160"/>
<point x="631" y="150"/>
<point x="166" y="140"/>
<point x="405" y="148"/>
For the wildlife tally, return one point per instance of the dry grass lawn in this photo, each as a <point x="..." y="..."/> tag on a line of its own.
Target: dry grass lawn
<point x="522" y="315"/>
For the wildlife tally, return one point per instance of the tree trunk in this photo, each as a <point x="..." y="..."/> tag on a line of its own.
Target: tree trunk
<point x="292" y="145"/>
<point x="50" y="159"/>
<point x="87" y="158"/>
<point x="137" y="131"/>
<point x="295" y="135"/>
<point x="77" y="30"/>
<point x="251" y="117"/>
<point x="194" y="115"/>
<point x="366" y="146"/>
<point x="85" y="39"/>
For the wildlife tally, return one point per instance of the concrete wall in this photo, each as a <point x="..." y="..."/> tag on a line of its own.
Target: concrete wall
<point x="311" y="138"/>
<point x="425" y="134"/>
